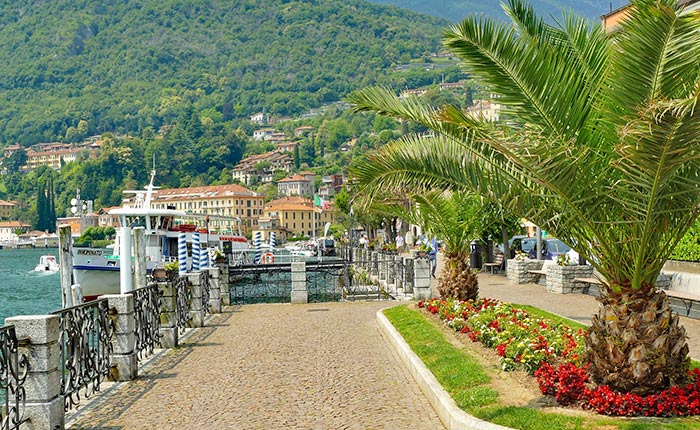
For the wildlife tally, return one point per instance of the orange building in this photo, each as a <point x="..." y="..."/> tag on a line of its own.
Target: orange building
<point x="298" y="216"/>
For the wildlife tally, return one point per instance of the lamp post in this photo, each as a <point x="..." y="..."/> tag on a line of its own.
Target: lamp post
<point x="78" y="207"/>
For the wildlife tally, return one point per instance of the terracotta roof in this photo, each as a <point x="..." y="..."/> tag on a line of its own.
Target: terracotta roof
<point x="13" y="224"/>
<point x="6" y="203"/>
<point x="209" y="192"/>
<point x="290" y="206"/>
<point x="293" y="199"/>
<point x="294" y="178"/>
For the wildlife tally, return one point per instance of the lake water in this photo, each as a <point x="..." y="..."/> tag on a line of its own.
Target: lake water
<point x="24" y="291"/>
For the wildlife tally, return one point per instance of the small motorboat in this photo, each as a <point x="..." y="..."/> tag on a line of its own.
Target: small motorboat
<point x="47" y="263"/>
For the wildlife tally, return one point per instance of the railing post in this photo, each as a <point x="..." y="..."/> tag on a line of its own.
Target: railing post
<point x="125" y="365"/>
<point x="44" y="407"/>
<point x="299" y="292"/>
<point x="196" y="309"/>
<point x="408" y="274"/>
<point x="214" y="290"/>
<point x="224" y="284"/>
<point x="421" y="279"/>
<point x="169" y="333"/>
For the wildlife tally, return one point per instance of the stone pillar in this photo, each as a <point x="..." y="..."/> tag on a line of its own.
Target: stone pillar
<point x="299" y="292"/>
<point x="374" y="263"/>
<point x="44" y="402"/>
<point x="517" y="271"/>
<point x="196" y="309"/>
<point x="560" y="279"/>
<point x="224" y="284"/>
<point x="382" y="266"/>
<point x="421" y="279"/>
<point x="169" y="334"/>
<point x="125" y="365"/>
<point x="214" y="290"/>
<point x="398" y="271"/>
<point x="409" y="274"/>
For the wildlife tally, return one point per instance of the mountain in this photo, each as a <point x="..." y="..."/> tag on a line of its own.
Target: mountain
<point x="75" y="68"/>
<point x="455" y="10"/>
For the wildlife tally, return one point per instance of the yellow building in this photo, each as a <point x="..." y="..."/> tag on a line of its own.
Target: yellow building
<point x="229" y="206"/>
<point x="6" y="209"/>
<point x="298" y="216"/>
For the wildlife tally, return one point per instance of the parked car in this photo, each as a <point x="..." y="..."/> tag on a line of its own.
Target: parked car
<point x="551" y="248"/>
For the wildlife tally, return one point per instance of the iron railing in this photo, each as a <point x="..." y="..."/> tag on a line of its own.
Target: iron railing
<point x="147" y="318"/>
<point x="326" y="282"/>
<point x="206" y="293"/>
<point x="182" y="303"/>
<point x="13" y="372"/>
<point x="270" y="283"/>
<point x="85" y="338"/>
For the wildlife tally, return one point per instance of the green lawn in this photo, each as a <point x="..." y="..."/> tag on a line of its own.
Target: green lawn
<point x="468" y="384"/>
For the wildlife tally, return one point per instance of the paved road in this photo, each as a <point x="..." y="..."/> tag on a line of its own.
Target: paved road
<point x="317" y="366"/>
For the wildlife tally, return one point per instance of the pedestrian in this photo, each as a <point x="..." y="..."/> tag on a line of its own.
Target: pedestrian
<point x="399" y="243"/>
<point x="363" y="241"/>
<point x="432" y="257"/>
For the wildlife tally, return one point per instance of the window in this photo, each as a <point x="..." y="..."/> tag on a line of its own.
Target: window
<point x="248" y="203"/>
<point x="248" y="213"/>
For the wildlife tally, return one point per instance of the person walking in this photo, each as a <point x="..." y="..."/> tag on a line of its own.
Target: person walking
<point x="399" y="243"/>
<point x="432" y="257"/>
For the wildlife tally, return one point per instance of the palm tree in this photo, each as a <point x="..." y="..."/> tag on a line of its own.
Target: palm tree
<point x="454" y="217"/>
<point x="602" y="150"/>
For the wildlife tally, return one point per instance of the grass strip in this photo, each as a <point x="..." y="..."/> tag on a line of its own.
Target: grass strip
<point x="467" y="382"/>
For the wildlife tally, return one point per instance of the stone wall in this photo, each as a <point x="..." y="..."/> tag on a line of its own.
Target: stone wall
<point x="560" y="279"/>
<point x="517" y="271"/>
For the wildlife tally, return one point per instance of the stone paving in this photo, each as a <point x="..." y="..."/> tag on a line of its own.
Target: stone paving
<point x="316" y="366"/>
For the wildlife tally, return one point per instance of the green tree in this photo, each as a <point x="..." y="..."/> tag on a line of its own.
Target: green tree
<point x="601" y="152"/>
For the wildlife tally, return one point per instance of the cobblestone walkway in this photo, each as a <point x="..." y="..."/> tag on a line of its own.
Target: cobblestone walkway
<point x="320" y="366"/>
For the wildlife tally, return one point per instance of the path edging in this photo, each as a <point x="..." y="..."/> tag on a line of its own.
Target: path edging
<point x="451" y="416"/>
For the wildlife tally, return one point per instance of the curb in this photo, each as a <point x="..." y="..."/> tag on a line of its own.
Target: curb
<point x="451" y="416"/>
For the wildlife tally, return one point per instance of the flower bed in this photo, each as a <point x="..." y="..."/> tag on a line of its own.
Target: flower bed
<point x="554" y="354"/>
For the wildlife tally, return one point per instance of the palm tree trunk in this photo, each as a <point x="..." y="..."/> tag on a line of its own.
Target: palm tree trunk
<point x="636" y="343"/>
<point x="457" y="280"/>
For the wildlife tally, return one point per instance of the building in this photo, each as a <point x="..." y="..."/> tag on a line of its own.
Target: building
<point x="267" y="225"/>
<point x="261" y="167"/>
<point x="260" y="118"/>
<point x="6" y="209"/>
<point x="295" y="185"/>
<point x="287" y="146"/>
<point x="485" y="110"/>
<point x="615" y="17"/>
<point x="298" y="217"/>
<point x="78" y="224"/>
<point x="263" y="133"/>
<point x="9" y="231"/>
<point x="303" y="130"/>
<point x="230" y="207"/>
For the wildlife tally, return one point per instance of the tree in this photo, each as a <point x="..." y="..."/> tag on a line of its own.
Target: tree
<point x="453" y="217"/>
<point x="601" y="152"/>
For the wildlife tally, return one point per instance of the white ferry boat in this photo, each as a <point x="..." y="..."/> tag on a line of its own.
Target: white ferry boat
<point x="96" y="270"/>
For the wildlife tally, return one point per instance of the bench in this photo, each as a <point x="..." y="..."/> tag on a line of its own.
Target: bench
<point x="538" y="272"/>
<point x="686" y="298"/>
<point x="497" y="263"/>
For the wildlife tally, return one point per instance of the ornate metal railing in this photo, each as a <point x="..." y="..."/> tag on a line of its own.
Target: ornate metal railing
<point x="85" y="337"/>
<point x="13" y="372"/>
<point x="206" y="293"/>
<point x="326" y="282"/>
<point x="270" y="283"/>
<point x="182" y="303"/>
<point x="147" y="316"/>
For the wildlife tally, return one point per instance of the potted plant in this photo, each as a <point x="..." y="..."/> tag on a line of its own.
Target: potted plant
<point x="171" y="269"/>
<point x="218" y="255"/>
<point x="422" y="250"/>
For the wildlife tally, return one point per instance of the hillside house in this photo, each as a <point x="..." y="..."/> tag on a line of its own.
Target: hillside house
<point x="6" y="209"/>
<point x="261" y="167"/>
<point x="263" y="133"/>
<point x="295" y="185"/>
<point x="260" y="118"/>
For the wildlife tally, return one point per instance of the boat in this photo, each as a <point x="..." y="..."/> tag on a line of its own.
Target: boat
<point x="96" y="270"/>
<point x="47" y="263"/>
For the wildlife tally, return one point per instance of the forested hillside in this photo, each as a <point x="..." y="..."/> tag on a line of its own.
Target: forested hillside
<point x="455" y="10"/>
<point x="125" y="65"/>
